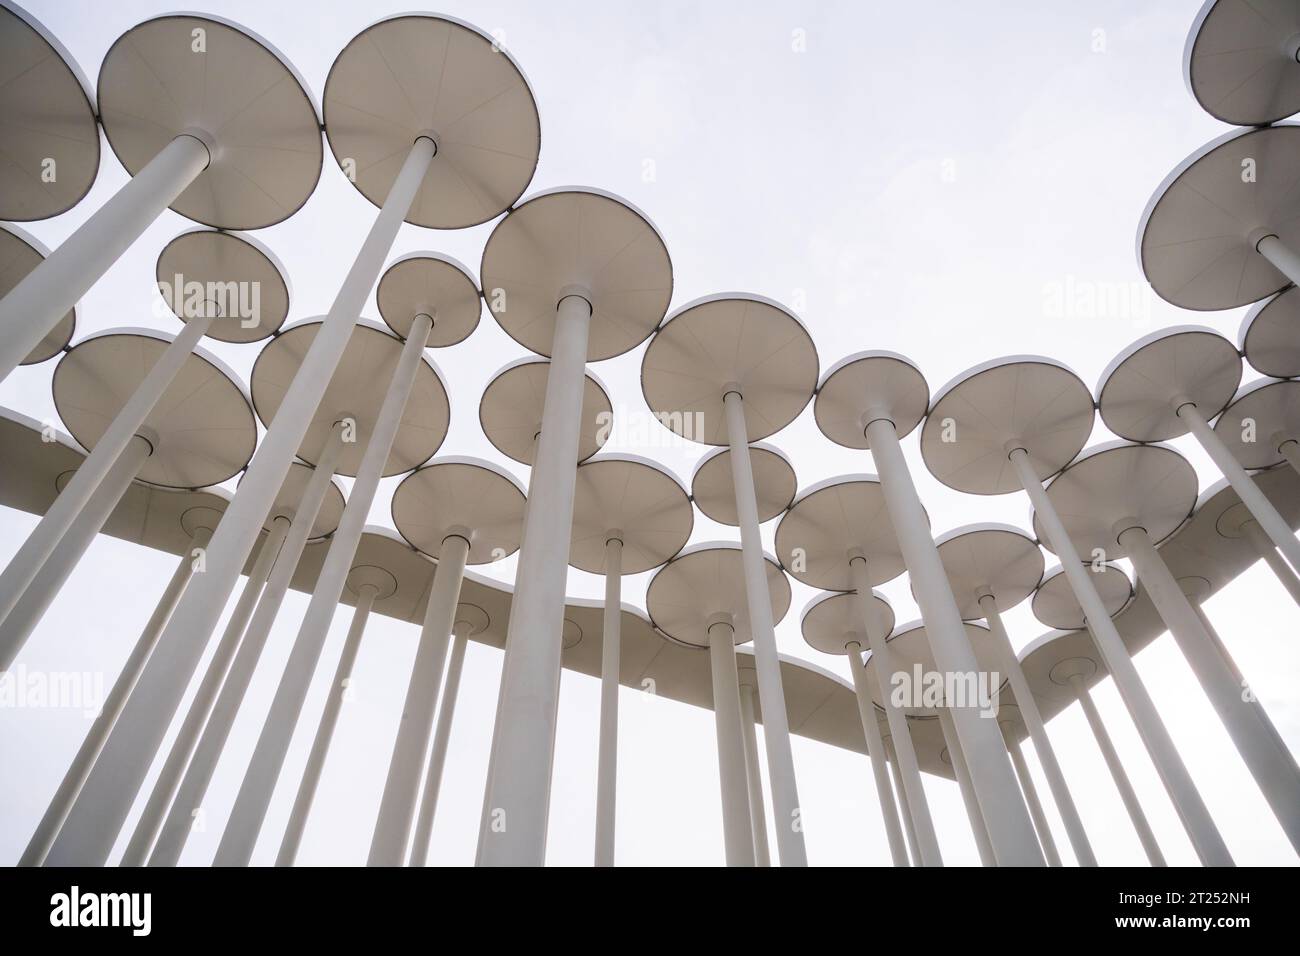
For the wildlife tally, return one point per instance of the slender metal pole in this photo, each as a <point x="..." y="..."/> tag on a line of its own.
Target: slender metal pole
<point x="47" y="293"/>
<point x="132" y="745"/>
<point x="1255" y="500"/>
<point x="737" y="825"/>
<point x="1260" y="745"/>
<point x="754" y="776"/>
<point x="1192" y="810"/>
<point x="905" y="811"/>
<point x="1282" y="258"/>
<point x="405" y="768"/>
<point x="1038" y="734"/>
<point x="960" y="771"/>
<point x="329" y="719"/>
<point x="57" y="811"/>
<point x="24" y="565"/>
<point x="1281" y="570"/>
<point x="1031" y="798"/>
<point x="67" y="552"/>
<point x="516" y="802"/>
<point x="925" y="842"/>
<point x="197" y="759"/>
<point x="1009" y="825"/>
<point x="776" y="725"/>
<point x="423" y="834"/>
<point x="1122" y="783"/>
<point x="876" y="751"/>
<point x="607" y="748"/>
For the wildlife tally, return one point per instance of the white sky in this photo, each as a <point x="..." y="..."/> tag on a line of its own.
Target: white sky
<point x="918" y="179"/>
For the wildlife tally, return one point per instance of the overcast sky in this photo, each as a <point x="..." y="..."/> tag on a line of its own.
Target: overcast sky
<point x="925" y="180"/>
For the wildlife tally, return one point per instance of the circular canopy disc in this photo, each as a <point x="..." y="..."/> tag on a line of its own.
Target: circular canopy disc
<point x="983" y="414"/>
<point x="290" y="497"/>
<point x="1237" y="63"/>
<point x="648" y="508"/>
<point x="433" y="284"/>
<point x="830" y="521"/>
<point x="714" y="491"/>
<point x="1270" y="335"/>
<point x="203" y="427"/>
<point x="510" y="411"/>
<point x="206" y="270"/>
<point x="1121" y="484"/>
<point x="45" y="115"/>
<point x="1196" y="242"/>
<point x="866" y="386"/>
<point x="154" y="84"/>
<point x="415" y="75"/>
<point x="911" y="647"/>
<point x="1273" y="410"/>
<point x="19" y="255"/>
<point x="453" y="495"/>
<point x="1140" y="391"/>
<point x="1055" y="605"/>
<point x="583" y="242"/>
<point x="703" y="583"/>
<point x="831" y="622"/>
<point x="990" y="559"/>
<point x="719" y="342"/>
<point x="356" y="390"/>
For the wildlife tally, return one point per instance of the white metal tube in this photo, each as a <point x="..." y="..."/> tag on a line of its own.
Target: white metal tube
<point x="406" y="767"/>
<point x="1282" y="258"/>
<point x="1192" y="810"/>
<point x="607" y="747"/>
<point x="904" y="810"/>
<point x="24" y="565"/>
<point x="1122" y="783"/>
<point x="423" y="834"/>
<point x="1038" y="734"/>
<point x="754" y="775"/>
<point x="57" y="811"/>
<point x="132" y="745"/>
<point x="189" y="794"/>
<point x="1009" y="825"/>
<point x="737" y="825"/>
<point x="959" y="770"/>
<point x="876" y="751"/>
<point x="1257" y="741"/>
<point x="1277" y="564"/>
<point x="776" y="725"/>
<point x="329" y="719"/>
<point x="46" y="582"/>
<point x="1031" y="798"/>
<point x="1255" y="500"/>
<point x="516" y="802"/>
<point x="36" y="304"/>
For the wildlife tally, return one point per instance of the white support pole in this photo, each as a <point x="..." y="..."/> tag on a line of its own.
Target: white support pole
<point x="1290" y="450"/>
<point x="1256" y="501"/>
<point x="189" y="793"/>
<point x="737" y="825"/>
<point x="968" y="799"/>
<point x="126" y="425"/>
<point x="1031" y="798"/>
<point x="904" y="810"/>
<point x="57" y="811"/>
<point x="1257" y="741"/>
<point x="925" y="842"/>
<point x="132" y="746"/>
<point x="329" y="719"/>
<point x="607" y="747"/>
<point x="45" y="583"/>
<point x="754" y="776"/>
<point x="36" y="304"/>
<point x="1282" y="258"/>
<point x="776" y="725"/>
<point x="423" y="834"/>
<point x="1009" y="825"/>
<point x="388" y="846"/>
<point x="1122" y="783"/>
<point x="1192" y="810"/>
<point x="876" y="751"/>
<point x="1277" y="564"/>
<point x="516" y="802"/>
<point x="1038" y="734"/>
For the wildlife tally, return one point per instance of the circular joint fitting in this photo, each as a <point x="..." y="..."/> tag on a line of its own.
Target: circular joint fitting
<point x="432" y="137"/>
<point x="1258" y="236"/>
<point x="731" y="388"/>
<point x="577" y="292"/>
<point x="149" y="437"/>
<point x="722" y="618"/>
<point x="203" y="136"/>
<point x="459" y="531"/>
<point x="1124" y="526"/>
